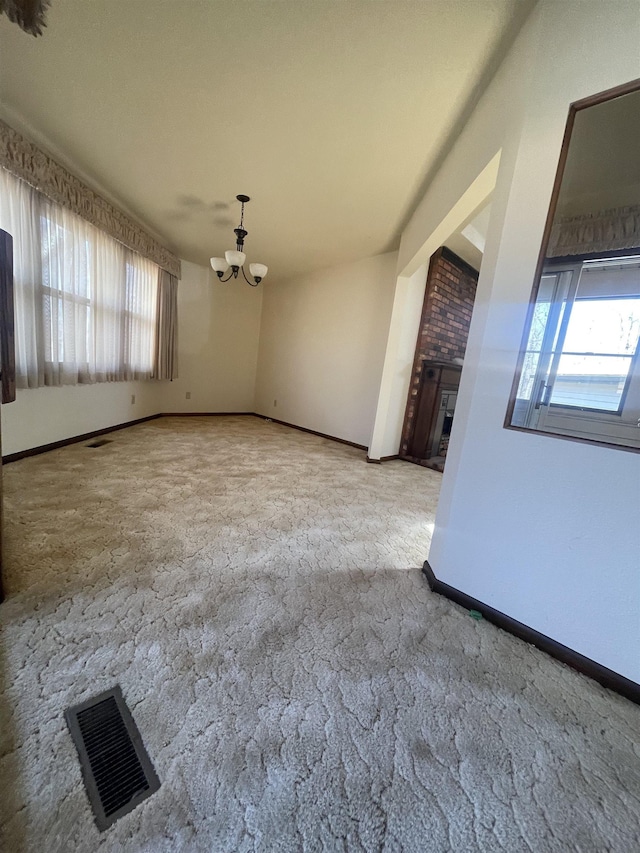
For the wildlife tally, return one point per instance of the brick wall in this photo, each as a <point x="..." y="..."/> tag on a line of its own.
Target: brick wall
<point x="444" y="325"/>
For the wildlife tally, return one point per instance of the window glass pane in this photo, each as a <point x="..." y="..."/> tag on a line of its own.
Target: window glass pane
<point x="604" y="326"/>
<point x="591" y="381"/>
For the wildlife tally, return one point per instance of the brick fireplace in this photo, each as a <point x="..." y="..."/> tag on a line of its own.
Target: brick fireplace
<point x="444" y="325"/>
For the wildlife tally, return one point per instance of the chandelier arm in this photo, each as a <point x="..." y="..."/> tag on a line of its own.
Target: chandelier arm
<point x="228" y="277"/>
<point x="252" y="283"/>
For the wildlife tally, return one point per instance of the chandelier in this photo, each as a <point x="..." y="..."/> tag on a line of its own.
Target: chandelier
<point x="235" y="259"/>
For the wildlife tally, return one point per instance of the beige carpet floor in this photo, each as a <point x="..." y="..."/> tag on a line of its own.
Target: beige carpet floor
<point x="256" y="593"/>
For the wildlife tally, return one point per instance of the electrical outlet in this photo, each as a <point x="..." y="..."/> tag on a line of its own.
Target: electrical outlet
<point x="188" y="395"/>
<point x="275" y="403"/>
<point x="133" y="399"/>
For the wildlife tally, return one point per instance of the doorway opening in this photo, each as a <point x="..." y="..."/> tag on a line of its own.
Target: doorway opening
<point x="441" y="343"/>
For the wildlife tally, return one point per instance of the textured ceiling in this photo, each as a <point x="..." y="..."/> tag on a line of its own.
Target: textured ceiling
<point x="328" y="114"/>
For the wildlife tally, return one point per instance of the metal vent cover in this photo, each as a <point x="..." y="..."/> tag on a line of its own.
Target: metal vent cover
<point x="116" y="769"/>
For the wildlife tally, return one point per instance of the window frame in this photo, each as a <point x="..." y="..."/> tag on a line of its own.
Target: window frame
<point x="588" y="419"/>
<point x="618" y="91"/>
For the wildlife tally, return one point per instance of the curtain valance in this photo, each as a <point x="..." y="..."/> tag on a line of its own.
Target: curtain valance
<point x="604" y="231"/>
<point x="25" y="160"/>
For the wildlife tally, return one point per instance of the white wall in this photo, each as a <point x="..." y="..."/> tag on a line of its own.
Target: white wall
<point x="218" y="333"/>
<point x="400" y="352"/>
<point x="218" y="348"/>
<point x="322" y="344"/>
<point x="43" y="415"/>
<point x="543" y="529"/>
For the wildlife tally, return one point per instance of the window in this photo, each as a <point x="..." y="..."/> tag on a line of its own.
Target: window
<point x="578" y="372"/>
<point x="85" y="304"/>
<point x="582" y="361"/>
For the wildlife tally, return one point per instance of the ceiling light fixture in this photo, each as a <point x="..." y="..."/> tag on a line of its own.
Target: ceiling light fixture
<point x="235" y="259"/>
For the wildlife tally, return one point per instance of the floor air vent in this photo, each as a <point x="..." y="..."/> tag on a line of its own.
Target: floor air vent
<point x="117" y="771"/>
<point x="100" y="443"/>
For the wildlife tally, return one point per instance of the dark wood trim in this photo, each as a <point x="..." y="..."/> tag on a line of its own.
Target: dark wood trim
<point x="54" y="445"/>
<point x="592" y="100"/>
<point x="202" y="414"/>
<point x="75" y="439"/>
<point x="311" y="431"/>
<point x="374" y="461"/>
<point x="429" y="574"/>
<point x="607" y="95"/>
<point x="604" y="676"/>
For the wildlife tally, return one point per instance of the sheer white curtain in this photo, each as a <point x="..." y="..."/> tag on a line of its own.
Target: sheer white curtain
<point x="141" y="307"/>
<point x="85" y="305"/>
